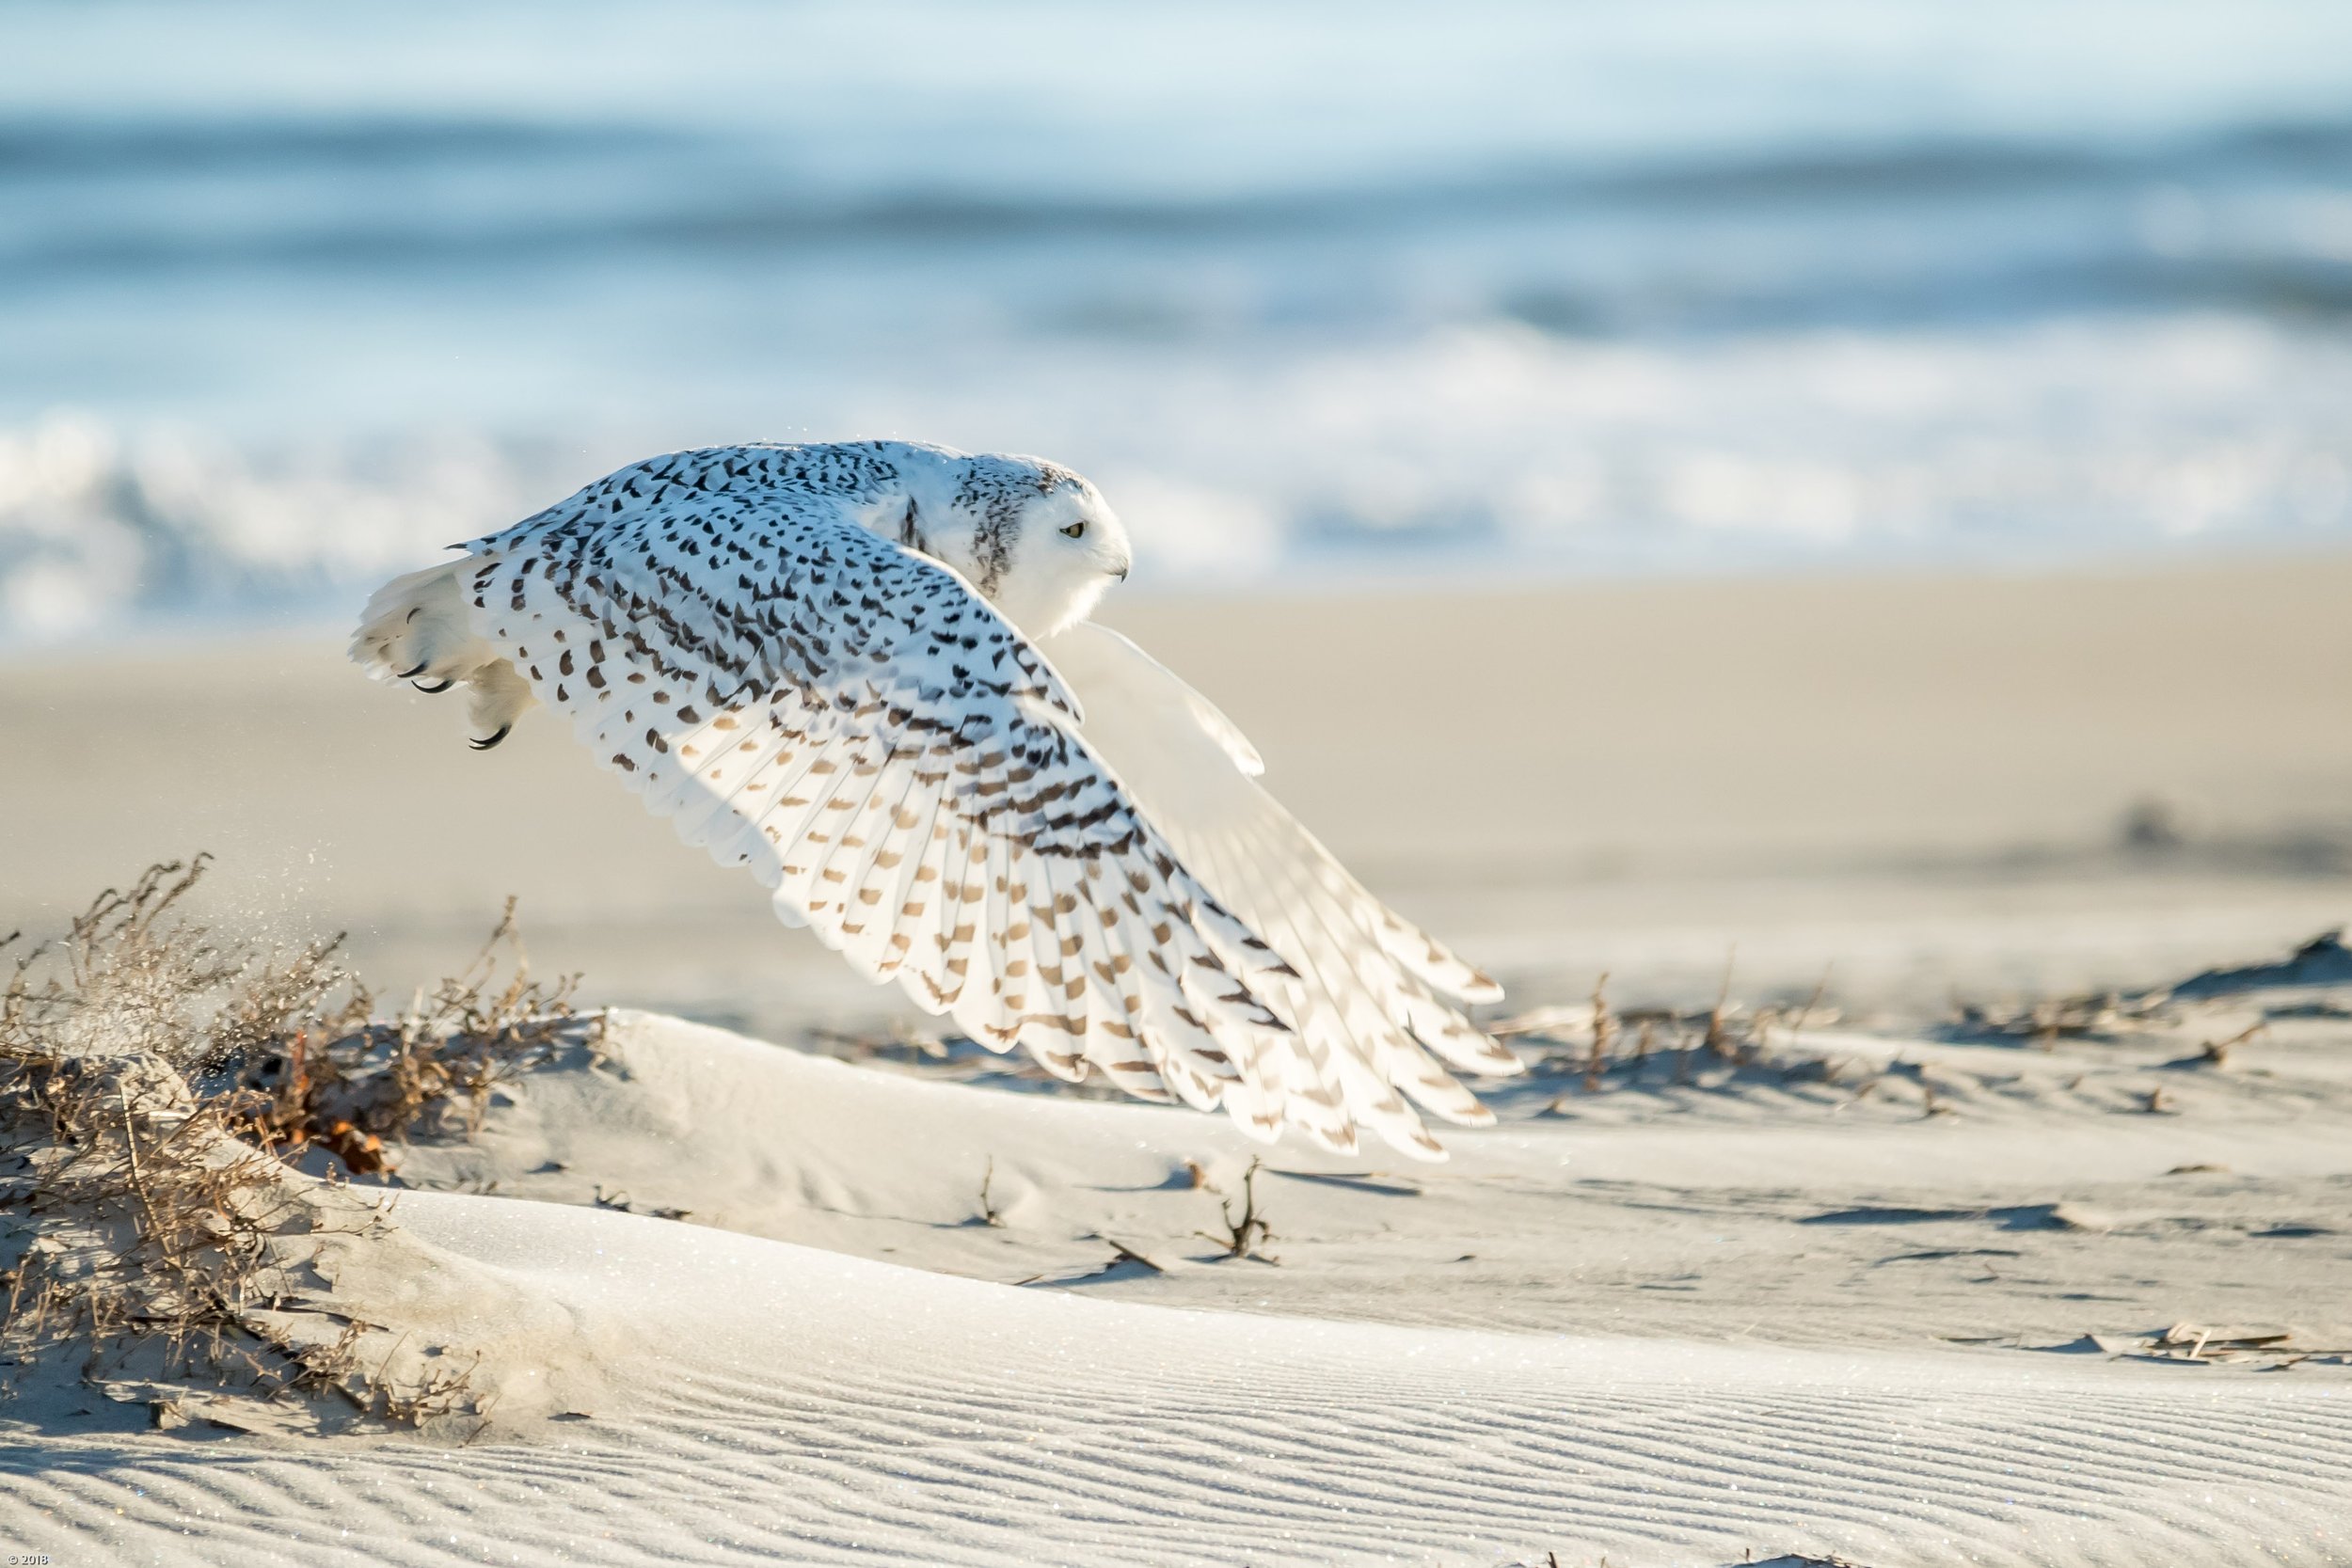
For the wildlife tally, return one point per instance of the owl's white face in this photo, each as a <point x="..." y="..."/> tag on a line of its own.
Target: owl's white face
<point x="1037" y="541"/>
<point x="1066" y="549"/>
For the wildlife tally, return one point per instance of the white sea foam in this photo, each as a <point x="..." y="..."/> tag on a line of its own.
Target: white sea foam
<point x="1694" y="285"/>
<point x="1486" y="448"/>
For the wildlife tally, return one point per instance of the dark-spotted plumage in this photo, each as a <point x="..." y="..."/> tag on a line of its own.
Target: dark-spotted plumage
<point x="807" y="658"/>
<point x="739" y="634"/>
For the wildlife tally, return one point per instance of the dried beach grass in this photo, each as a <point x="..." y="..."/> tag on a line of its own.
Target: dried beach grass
<point x="2314" y="979"/>
<point x="144" y="1239"/>
<point x="357" y="1088"/>
<point x="1590" y="1043"/>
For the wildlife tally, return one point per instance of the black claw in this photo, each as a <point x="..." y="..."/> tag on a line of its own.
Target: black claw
<point x="485" y="745"/>
<point x="404" y="674"/>
<point x="434" y="690"/>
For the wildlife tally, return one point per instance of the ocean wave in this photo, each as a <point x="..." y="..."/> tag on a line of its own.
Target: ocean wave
<point x="381" y="194"/>
<point x="132" y="147"/>
<point x="116" y="146"/>
<point x="1492" y="452"/>
<point x="100" y="529"/>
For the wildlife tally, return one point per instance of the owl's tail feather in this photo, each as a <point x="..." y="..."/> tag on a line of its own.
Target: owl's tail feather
<point x="415" y="629"/>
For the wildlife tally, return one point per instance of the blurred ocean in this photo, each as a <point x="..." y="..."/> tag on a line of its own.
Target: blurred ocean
<point x="291" y="295"/>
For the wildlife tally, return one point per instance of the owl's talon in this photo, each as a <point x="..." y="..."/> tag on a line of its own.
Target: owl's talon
<point x="406" y="675"/>
<point x="434" y="690"/>
<point x="485" y="745"/>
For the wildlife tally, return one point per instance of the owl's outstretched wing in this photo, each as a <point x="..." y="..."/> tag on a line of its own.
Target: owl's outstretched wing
<point x="1366" y="995"/>
<point x="902" y="770"/>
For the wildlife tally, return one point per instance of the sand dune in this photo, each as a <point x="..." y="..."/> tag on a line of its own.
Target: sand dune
<point x="1705" y="1212"/>
<point x="759" y="1398"/>
<point x="1891" y="1291"/>
<point x="822" y="1409"/>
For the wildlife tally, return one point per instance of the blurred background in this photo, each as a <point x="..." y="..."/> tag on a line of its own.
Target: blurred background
<point x="1850" y="480"/>
<point x="290" y="294"/>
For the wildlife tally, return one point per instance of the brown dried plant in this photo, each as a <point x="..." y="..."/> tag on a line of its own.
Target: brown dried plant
<point x="140" y="1235"/>
<point x="1604" y="1036"/>
<point x="355" y="1087"/>
<point x="1591" y="1040"/>
<point x="989" y="1216"/>
<point x="1247" y="1233"/>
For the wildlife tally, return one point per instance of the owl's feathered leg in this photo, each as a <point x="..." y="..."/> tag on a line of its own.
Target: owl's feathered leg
<point x="415" y="629"/>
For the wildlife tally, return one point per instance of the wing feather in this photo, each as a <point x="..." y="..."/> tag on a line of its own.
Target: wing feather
<point x="946" y="968"/>
<point x="1365" y="992"/>
<point x="909" y="776"/>
<point x="980" y="955"/>
<point x="897" y="765"/>
<point x="882" y="870"/>
<point x="1046" y="1026"/>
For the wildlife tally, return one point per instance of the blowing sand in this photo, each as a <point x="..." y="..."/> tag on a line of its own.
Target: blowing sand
<point x="1891" y="1289"/>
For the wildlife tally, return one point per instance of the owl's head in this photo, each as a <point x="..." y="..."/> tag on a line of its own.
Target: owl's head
<point x="1037" y="540"/>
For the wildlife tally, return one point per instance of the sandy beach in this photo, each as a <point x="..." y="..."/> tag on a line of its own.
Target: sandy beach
<point x="1884" y="774"/>
<point x="1875" y="1283"/>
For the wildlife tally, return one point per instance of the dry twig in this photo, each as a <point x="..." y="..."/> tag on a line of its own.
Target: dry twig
<point x="989" y="1216"/>
<point x="1247" y="1235"/>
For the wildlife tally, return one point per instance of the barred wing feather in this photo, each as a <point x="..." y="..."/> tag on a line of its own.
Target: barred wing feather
<point x="849" y="719"/>
<point x="1366" y="995"/>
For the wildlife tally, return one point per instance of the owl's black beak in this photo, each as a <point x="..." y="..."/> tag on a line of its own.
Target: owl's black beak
<point x="1122" y="572"/>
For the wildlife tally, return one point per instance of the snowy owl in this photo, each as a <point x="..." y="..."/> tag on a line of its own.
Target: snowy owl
<point x="864" y="671"/>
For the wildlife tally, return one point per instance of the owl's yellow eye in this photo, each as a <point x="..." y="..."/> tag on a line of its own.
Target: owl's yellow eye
<point x="1075" y="529"/>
